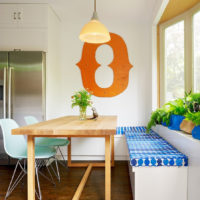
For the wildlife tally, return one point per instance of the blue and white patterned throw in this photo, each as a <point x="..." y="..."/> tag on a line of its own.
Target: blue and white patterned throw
<point x="149" y="149"/>
<point x="122" y="129"/>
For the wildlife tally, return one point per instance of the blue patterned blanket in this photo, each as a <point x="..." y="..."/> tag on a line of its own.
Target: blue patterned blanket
<point x="149" y="149"/>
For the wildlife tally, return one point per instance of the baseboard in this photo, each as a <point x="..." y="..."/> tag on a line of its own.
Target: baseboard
<point x="93" y="157"/>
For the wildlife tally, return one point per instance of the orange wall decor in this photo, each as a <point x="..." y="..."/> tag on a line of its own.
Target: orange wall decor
<point x="120" y="66"/>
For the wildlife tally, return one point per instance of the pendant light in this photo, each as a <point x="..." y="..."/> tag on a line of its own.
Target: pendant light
<point x="94" y="31"/>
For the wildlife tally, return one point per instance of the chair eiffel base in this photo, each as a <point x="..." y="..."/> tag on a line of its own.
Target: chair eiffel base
<point x="38" y="164"/>
<point x="65" y="162"/>
<point x="57" y="173"/>
<point x="13" y="183"/>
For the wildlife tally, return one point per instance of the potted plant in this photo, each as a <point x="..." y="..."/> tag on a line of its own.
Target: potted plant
<point x="82" y="99"/>
<point x="157" y="117"/>
<point x="192" y="100"/>
<point x="170" y="114"/>
<point x="173" y="113"/>
<point x="195" y="118"/>
<point x="178" y="109"/>
<point x="187" y="126"/>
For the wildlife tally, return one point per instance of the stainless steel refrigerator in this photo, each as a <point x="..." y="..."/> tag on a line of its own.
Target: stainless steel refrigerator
<point x="22" y="88"/>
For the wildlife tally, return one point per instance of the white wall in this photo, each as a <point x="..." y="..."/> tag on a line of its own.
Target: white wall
<point x="131" y="19"/>
<point x="133" y="106"/>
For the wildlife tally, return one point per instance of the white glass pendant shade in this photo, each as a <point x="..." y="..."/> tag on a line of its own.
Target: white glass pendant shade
<point x="94" y="31"/>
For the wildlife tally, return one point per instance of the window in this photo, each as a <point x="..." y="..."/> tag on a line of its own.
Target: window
<point x="180" y="55"/>
<point x="174" y="61"/>
<point x="196" y="58"/>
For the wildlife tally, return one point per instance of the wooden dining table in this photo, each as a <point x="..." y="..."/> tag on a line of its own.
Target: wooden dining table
<point x="71" y="126"/>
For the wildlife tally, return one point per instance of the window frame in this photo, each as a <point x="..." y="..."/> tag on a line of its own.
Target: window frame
<point x="198" y="10"/>
<point x="187" y="17"/>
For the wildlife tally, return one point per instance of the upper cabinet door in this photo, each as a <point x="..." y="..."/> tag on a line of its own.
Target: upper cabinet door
<point x="32" y="15"/>
<point x="23" y="15"/>
<point x="8" y="15"/>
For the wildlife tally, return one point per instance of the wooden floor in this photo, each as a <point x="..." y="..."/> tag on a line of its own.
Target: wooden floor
<point x="94" y="189"/>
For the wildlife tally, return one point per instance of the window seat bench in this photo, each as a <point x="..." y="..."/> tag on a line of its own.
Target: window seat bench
<point x="157" y="169"/>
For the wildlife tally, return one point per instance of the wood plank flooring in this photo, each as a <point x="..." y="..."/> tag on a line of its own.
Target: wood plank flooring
<point x="70" y="179"/>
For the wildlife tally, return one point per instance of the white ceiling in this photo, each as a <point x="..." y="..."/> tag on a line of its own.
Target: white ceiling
<point x="118" y="10"/>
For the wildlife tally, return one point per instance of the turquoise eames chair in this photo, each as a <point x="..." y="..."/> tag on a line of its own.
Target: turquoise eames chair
<point x="48" y="142"/>
<point x="16" y="147"/>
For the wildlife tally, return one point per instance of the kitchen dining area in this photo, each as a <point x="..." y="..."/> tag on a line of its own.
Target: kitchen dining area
<point x="81" y="85"/>
<point x="35" y="147"/>
<point x="50" y="150"/>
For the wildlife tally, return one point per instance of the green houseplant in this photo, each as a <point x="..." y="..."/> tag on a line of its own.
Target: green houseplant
<point x="191" y="99"/>
<point x="194" y="117"/>
<point x="82" y="99"/>
<point x="180" y="114"/>
<point x="157" y="117"/>
<point x="163" y="114"/>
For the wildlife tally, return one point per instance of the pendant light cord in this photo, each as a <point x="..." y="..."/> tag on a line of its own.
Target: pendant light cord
<point x="95" y="6"/>
<point x="94" y="16"/>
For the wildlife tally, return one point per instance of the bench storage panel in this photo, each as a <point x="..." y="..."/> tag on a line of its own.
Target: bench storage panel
<point x="190" y="147"/>
<point x="159" y="183"/>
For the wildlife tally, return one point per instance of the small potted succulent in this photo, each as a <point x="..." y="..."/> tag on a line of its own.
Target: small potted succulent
<point x="82" y="99"/>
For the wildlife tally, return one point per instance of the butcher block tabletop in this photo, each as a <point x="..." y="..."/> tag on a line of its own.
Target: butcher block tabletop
<point x="71" y="126"/>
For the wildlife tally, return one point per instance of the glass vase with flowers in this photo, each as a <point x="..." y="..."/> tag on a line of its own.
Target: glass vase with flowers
<point x="82" y="99"/>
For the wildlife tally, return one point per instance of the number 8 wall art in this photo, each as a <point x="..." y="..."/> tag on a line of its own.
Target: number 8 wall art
<point x="120" y="66"/>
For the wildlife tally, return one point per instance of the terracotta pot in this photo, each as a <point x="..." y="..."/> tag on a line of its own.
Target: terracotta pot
<point x="187" y="126"/>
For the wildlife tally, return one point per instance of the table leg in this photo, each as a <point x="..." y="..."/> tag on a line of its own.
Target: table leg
<point x="31" y="168"/>
<point x="82" y="183"/>
<point x="107" y="169"/>
<point x="69" y="152"/>
<point x="112" y="151"/>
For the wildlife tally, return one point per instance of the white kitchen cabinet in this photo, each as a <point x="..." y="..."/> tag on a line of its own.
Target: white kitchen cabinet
<point x="23" y="15"/>
<point x="28" y="27"/>
<point x="36" y="28"/>
<point x="24" y="39"/>
<point x="32" y="15"/>
<point x="8" y="15"/>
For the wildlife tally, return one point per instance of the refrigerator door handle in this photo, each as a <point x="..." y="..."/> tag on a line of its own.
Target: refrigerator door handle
<point x="9" y="92"/>
<point x="4" y="91"/>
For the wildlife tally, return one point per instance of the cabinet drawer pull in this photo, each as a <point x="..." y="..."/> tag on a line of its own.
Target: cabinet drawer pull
<point x="14" y="16"/>
<point x="19" y="15"/>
